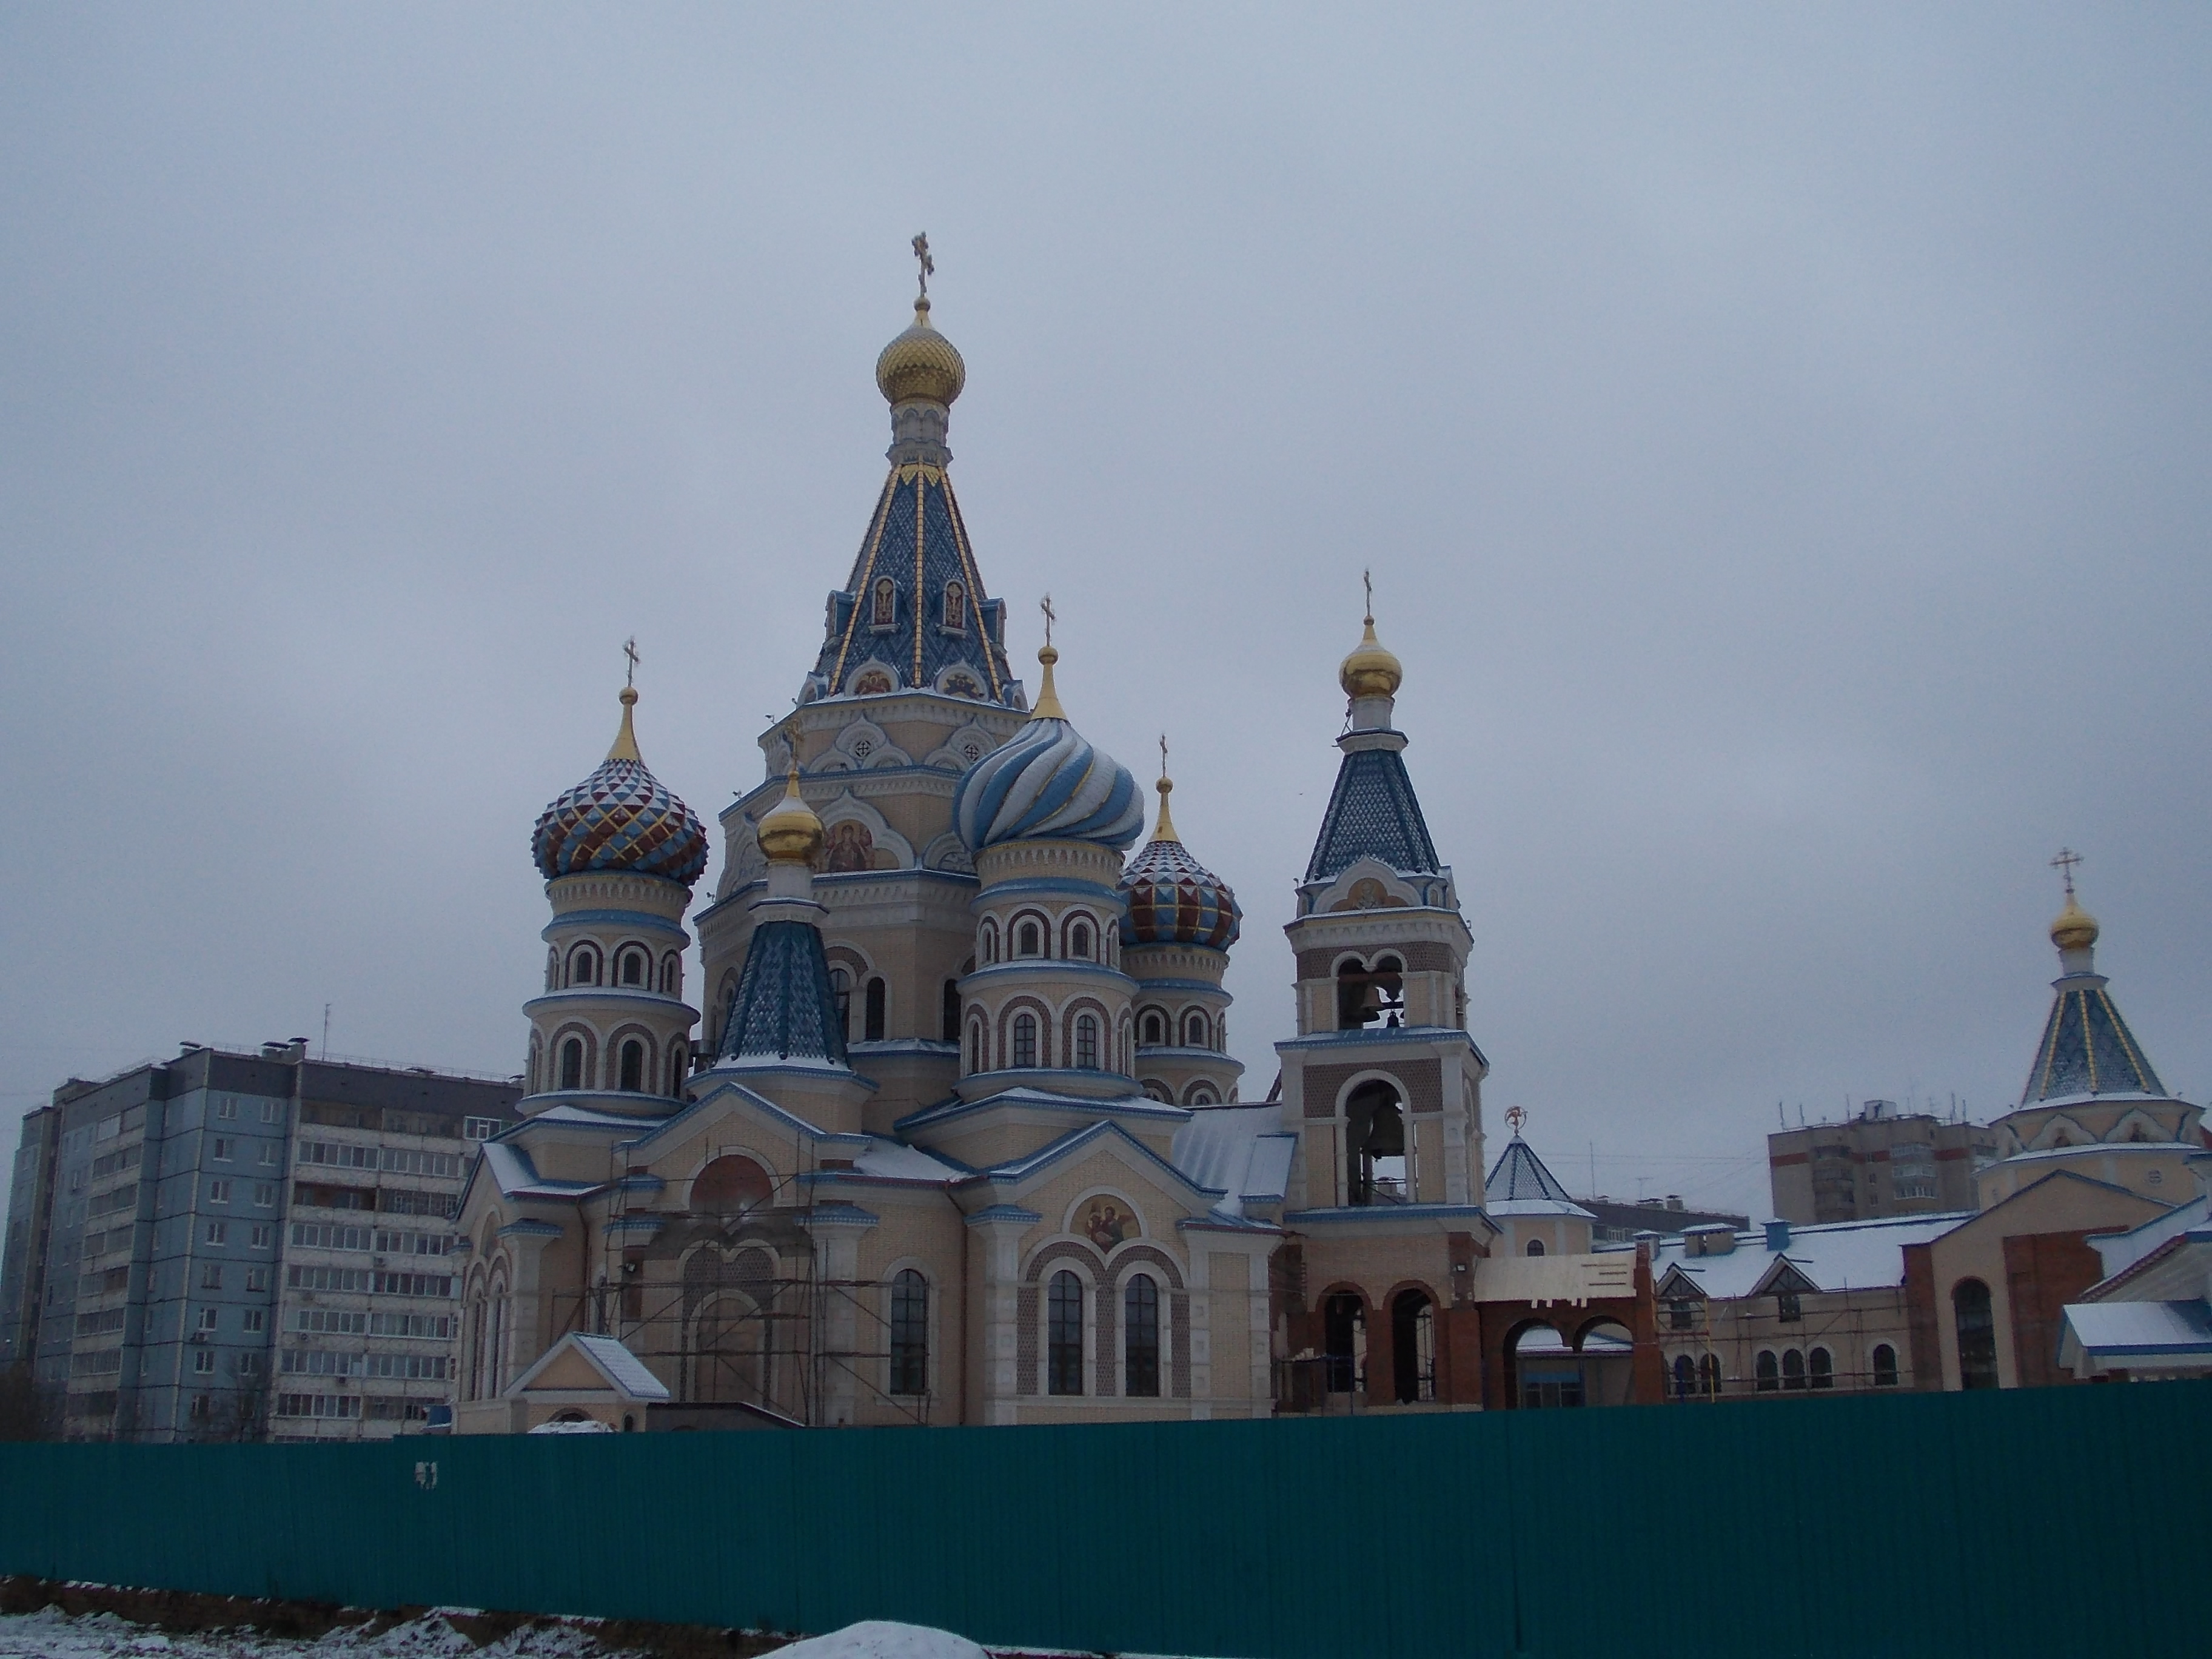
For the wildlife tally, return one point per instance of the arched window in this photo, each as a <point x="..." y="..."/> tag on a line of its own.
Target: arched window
<point x="633" y="968"/>
<point x="976" y="1047"/>
<point x="990" y="941"/>
<point x="1793" y="1369"/>
<point x="1978" y="1334"/>
<point x="1156" y="1030"/>
<point x="730" y="1184"/>
<point x="676" y="1061"/>
<point x="1200" y="1094"/>
<point x="672" y="975"/>
<point x="1344" y="1339"/>
<point x="1141" y="1317"/>
<point x="1413" y="1346"/>
<point x="1063" y="1337"/>
<point x="632" y="1067"/>
<point x="1197" y="1031"/>
<point x="1370" y="999"/>
<point x="1821" y="1369"/>
<point x="1686" y="1376"/>
<point x="1086" y="1043"/>
<point x="1535" y="1247"/>
<point x="1885" y="1366"/>
<point x="1029" y="940"/>
<point x="1769" y="1374"/>
<point x="1025" y="1048"/>
<point x="552" y="970"/>
<point x="572" y="1063"/>
<point x="948" y="1012"/>
<point x="1375" y="1146"/>
<point x="885" y="614"/>
<point x="910" y="1333"/>
<point x="1709" y="1375"/>
<point x="875" y="1024"/>
<point x="1078" y="941"/>
<point x="840" y="987"/>
<point x="956" y="606"/>
<point x="583" y="966"/>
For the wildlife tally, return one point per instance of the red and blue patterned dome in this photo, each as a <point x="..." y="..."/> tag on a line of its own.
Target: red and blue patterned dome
<point x="620" y="818"/>
<point x="1173" y="899"/>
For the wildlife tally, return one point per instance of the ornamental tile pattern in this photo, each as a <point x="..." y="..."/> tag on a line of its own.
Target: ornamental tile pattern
<point x="1372" y="813"/>
<point x="784" y="1007"/>
<point x="1174" y="899"/>
<point x="620" y="818"/>
<point x="2087" y="1049"/>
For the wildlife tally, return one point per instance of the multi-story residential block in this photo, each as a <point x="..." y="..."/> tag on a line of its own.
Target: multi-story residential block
<point x="242" y="1246"/>
<point x="1878" y="1163"/>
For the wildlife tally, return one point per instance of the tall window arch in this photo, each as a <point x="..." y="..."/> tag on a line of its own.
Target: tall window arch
<point x="1086" y="1043"/>
<point x="632" y="1067"/>
<point x="1821" y="1369"/>
<point x="990" y="941"/>
<point x="885" y="613"/>
<point x="1376" y="1171"/>
<point x="1194" y="1030"/>
<point x="956" y="606"/>
<point x="1155" y="1030"/>
<point x="1413" y="1346"/>
<point x="1028" y="939"/>
<point x="1140" y="1322"/>
<point x="1063" y="1335"/>
<point x="1686" y="1376"/>
<point x="948" y="1012"/>
<point x="1078" y="941"/>
<point x="552" y="970"/>
<point x="1709" y="1375"/>
<point x="572" y="1063"/>
<point x="633" y="968"/>
<point x="1793" y="1369"/>
<point x="910" y="1333"/>
<point x="1769" y="1374"/>
<point x="840" y="989"/>
<point x="1885" y="1366"/>
<point x="876" y="998"/>
<point x="1976" y="1322"/>
<point x="975" y="1048"/>
<point x="583" y="966"/>
<point x="672" y="975"/>
<point x="1025" y="1043"/>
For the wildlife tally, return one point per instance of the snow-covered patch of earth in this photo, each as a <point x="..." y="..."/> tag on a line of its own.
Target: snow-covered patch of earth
<point x="50" y="1633"/>
<point x="878" y="1638"/>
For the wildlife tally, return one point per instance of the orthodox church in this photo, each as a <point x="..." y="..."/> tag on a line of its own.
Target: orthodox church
<point x="960" y="1139"/>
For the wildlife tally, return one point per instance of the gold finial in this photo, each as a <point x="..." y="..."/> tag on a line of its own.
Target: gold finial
<point x="1166" y="831"/>
<point x="1047" y="707"/>
<point x="928" y="265"/>
<point x="920" y="364"/>
<point x="625" y="743"/>
<point x="1370" y="670"/>
<point x="789" y="832"/>
<point x="2074" y="929"/>
<point x="1514" y="1117"/>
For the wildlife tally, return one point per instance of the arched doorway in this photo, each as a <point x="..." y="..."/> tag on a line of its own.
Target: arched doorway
<point x="1546" y="1370"/>
<point x="730" y="1185"/>
<point x="1375" y="1146"/>
<point x="1343" y="1340"/>
<point x="1413" y="1346"/>
<point x="1607" y="1354"/>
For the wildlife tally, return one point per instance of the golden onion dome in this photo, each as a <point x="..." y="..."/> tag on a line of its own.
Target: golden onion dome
<point x="789" y="833"/>
<point x="2075" y="929"/>
<point x="1370" y="671"/>
<point x="921" y="363"/>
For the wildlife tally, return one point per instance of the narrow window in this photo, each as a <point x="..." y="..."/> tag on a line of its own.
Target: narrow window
<point x="1086" y="1043"/>
<point x="633" y="968"/>
<point x="1978" y="1334"/>
<point x="956" y="606"/>
<point x="1793" y="1369"/>
<point x="1064" y="1355"/>
<point x="1030" y="942"/>
<point x="1885" y="1366"/>
<point x="1140" y="1314"/>
<point x="949" y="1011"/>
<point x="990" y="941"/>
<point x="1025" y="1053"/>
<point x="1193" y="1030"/>
<point x="1770" y="1376"/>
<point x="1686" y="1376"/>
<point x="875" y="1026"/>
<point x="632" y="1067"/>
<point x="1078" y="941"/>
<point x="1709" y="1375"/>
<point x="886" y="610"/>
<point x="1156" y="1030"/>
<point x="840" y="987"/>
<point x="572" y="1063"/>
<point x="909" y="1333"/>
<point x="672" y="972"/>
<point x="1820" y="1368"/>
<point x="1413" y="1347"/>
<point x="552" y="970"/>
<point x="584" y="967"/>
<point x="1375" y="1146"/>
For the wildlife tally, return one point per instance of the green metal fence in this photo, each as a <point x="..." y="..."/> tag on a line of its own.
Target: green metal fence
<point x="2059" y="1520"/>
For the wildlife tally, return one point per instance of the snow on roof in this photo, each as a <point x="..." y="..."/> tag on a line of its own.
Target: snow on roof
<point x="2121" y="1251"/>
<point x="1513" y="1206"/>
<point x="518" y="1177"/>
<point x="1239" y="1151"/>
<point x="628" y="1370"/>
<point x="894" y="1160"/>
<point x="879" y="1639"/>
<point x="589" y="1425"/>
<point x="591" y="1118"/>
<point x="1840" y="1255"/>
<point x="2120" y="1331"/>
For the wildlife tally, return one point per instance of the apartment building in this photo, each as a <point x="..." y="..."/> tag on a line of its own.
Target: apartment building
<point x="1878" y="1163"/>
<point x="242" y="1246"/>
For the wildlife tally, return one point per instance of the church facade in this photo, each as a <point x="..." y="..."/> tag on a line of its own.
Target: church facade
<point x="958" y="1138"/>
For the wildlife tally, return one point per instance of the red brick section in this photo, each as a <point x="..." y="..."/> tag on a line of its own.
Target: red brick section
<point x="2043" y="1272"/>
<point x="1648" y="1365"/>
<point x="1920" y="1337"/>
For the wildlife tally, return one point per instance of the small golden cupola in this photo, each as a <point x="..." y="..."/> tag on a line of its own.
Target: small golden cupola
<point x="920" y="364"/>
<point x="1370" y="671"/>
<point x="2075" y="928"/>
<point x="789" y="832"/>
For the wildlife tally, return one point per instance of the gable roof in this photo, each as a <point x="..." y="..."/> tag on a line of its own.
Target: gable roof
<point x="625" y="1373"/>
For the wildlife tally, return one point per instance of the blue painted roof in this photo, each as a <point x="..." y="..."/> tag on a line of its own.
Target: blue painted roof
<point x="1519" y="1175"/>
<point x="917" y="543"/>
<point x="784" y="1007"/>
<point x="1372" y="813"/>
<point x="2087" y="1048"/>
<point x="1047" y="782"/>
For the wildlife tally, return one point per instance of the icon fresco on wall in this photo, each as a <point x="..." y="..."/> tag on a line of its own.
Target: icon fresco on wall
<point x="850" y="846"/>
<point x="1108" y="1223"/>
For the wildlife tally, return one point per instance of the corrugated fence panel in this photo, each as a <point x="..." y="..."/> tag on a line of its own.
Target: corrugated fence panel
<point x="2061" y="1521"/>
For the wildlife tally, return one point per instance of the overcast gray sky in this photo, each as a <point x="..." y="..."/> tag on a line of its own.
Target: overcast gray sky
<point x="1780" y="436"/>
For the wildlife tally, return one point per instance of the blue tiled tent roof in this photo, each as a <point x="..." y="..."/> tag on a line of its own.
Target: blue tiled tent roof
<point x="2087" y="1049"/>
<point x="916" y="509"/>
<point x="1521" y="1174"/>
<point x="1372" y="813"/>
<point x="784" y="1007"/>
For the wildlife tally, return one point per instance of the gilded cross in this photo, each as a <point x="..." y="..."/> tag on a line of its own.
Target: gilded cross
<point x="2067" y="859"/>
<point x="1367" y="580"/>
<point x="921" y="259"/>
<point x="1164" y="754"/>
<point x="1045" y="606"/>
<point x="629" y="650"/>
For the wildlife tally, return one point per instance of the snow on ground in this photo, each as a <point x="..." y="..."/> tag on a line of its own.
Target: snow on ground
<point x="877" y="1638"/>
<point x="52" y="1634"/>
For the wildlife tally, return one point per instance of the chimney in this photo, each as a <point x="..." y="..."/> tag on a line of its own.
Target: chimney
<point x="1778" y="1236"/>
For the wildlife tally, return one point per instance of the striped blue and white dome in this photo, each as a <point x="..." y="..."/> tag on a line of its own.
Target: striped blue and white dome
<point x="1048" y="784"/>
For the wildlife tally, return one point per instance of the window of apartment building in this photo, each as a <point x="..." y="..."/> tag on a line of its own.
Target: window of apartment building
<point x="204" y="1362"/>
<point x="318" y="1405"/>
<point x="270" y="1151"/>
<point x="257" y="1278"/>
<point x="218" y="1232"/>
<point x="202" y="1407"/>
<point x="226" y="1149"/>
<point x="211" y="1277"/>
<point x="265" y="1236"/>
<point x="249" y="1364"/>
<point x="207" y="1318"/>
<point x="272" y="1111"/>
<point x="264" y="1194"/>
<point x="226" y="1109"/>
<point x="219" y="1192"/>
<point x="257" y="1319"/>
<point x="338" y="1321"/>
<point x="479" y="1129"/>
